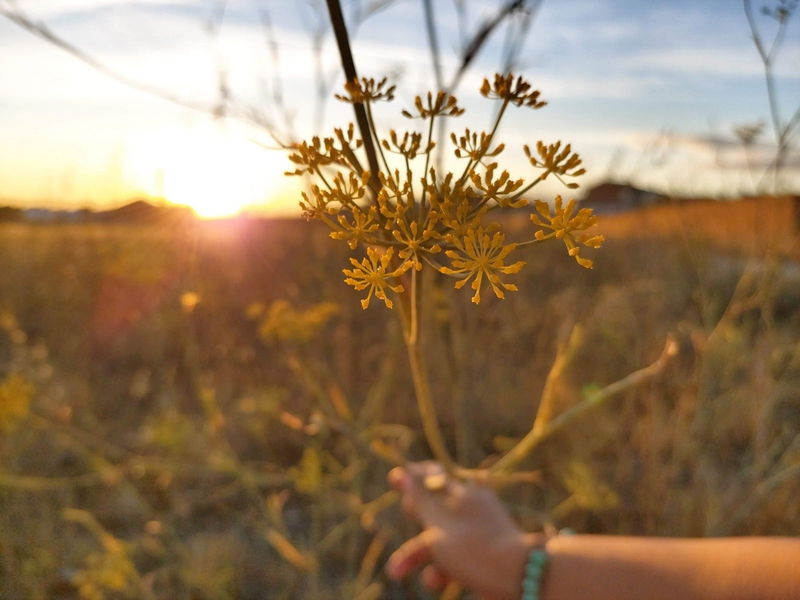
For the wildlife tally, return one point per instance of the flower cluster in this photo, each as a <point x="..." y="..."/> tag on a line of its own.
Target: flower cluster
<point x="405" y="223"/>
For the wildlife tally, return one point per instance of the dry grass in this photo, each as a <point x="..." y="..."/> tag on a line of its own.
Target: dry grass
<point x="752" y="225"/>
<point x="200" y="458"/>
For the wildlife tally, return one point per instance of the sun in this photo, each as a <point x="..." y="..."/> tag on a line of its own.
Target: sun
<point x="213" y="170"/>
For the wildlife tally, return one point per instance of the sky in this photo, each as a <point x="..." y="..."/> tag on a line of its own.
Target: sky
<point x="647" y="92"/>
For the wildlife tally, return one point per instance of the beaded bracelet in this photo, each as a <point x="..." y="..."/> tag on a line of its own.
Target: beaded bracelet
<point x="534" y="571"/>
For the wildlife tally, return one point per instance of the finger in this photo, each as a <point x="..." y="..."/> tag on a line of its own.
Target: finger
<point x="433" y="494"/>
<point x="410" y="483"/>
<point x="412" y="555"/>
<point x="434" y="578"/>
<point x="409" y="507"/>
<point x="397" y="478"/>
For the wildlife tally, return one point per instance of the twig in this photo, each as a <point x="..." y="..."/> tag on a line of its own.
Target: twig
<point x="41" y="30"/>
<point x="547" y="401"/>
<point x="532" y="440"/>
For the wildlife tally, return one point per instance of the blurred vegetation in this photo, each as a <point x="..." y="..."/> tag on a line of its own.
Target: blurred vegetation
<point x="207" y="412"/>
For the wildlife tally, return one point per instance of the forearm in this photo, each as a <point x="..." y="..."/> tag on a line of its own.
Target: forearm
<point x="621" y="568"/>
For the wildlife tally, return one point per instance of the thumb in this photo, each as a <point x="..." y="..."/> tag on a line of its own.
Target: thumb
<point x="412" y="555"/>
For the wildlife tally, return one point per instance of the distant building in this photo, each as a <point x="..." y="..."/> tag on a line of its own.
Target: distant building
<point x="609" y="198"/>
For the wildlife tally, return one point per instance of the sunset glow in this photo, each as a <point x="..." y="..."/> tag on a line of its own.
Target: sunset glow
<point x="214" y="171"/>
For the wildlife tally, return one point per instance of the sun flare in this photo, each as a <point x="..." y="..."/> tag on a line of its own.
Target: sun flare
<point x="213" y="171"/>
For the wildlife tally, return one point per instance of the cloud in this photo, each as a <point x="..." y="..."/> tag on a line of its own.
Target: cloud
<point x="728" y="153"/>
<point x="731" y="61"/>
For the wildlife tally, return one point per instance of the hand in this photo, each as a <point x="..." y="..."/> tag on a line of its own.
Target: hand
<point x="468" y="536"/>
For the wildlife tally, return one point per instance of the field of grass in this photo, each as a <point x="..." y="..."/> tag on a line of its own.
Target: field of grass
<point x="206" y="412"/>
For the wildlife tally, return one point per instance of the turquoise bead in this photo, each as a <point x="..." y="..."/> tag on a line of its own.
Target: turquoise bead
<point x="533" y="571"/>
<point x="537" y="562"/>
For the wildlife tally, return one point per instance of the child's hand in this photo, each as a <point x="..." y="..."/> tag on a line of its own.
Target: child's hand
<point x="468" y="536"/>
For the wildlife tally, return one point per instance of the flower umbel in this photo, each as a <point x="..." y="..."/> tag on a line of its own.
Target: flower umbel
<point x="411" y="217"/>
<point x="444" y="105"/>
<point x="519" y="91"/>
<point x="477" y="254"/>
<point x="367" y="90"/>
<point x="563" y="163"/>
<point x="471" y="146"/>
<point x="562" y="222"/>
<point x="374" y="273"/>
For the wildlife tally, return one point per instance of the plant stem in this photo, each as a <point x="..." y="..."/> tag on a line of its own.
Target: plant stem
<point x="374" y="131"/>
<point x="349" y="67"/>
<point x="427" y="412"/>
<point x="427" y="162"/>
<point x="537" y="435"/>
<point x="488" y="144"/>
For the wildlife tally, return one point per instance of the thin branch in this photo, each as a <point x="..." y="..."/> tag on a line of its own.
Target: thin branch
<point x="478" y="40"/>
<point x="533" y="439"/>
<point x="42" y="31"/>
<point x="564" y="355"/>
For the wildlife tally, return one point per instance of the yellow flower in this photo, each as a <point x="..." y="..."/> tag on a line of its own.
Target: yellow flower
<point x="394" y="198"/>
<point x="409" y="146"/>
<point x="452" y="206"/>
<point x="471" y="146"/>
<point x="517" y="92"/>
<point x="562" y="222"/>
<point x="366" y="90"/>
<point x="414" y="215"/>
<point x="374" y="272"/>
<point x="415" y="242"/>
<point x="322" y="152"/>
<point x="564" y="163"/>
<point x="359" y="228"/>
<point x="319" y="204"/>
<point x="478" y="254"/>
<point x="500" y="190"/>
<point x="310" y="157"/>
<point x="444" y="105"/>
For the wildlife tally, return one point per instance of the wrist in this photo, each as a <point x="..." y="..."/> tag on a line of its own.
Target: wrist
<point x="518" y="554"/>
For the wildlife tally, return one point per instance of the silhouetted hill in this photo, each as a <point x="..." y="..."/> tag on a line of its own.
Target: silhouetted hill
<point x="141" y="211"/>
<point x="136" y="211"/>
